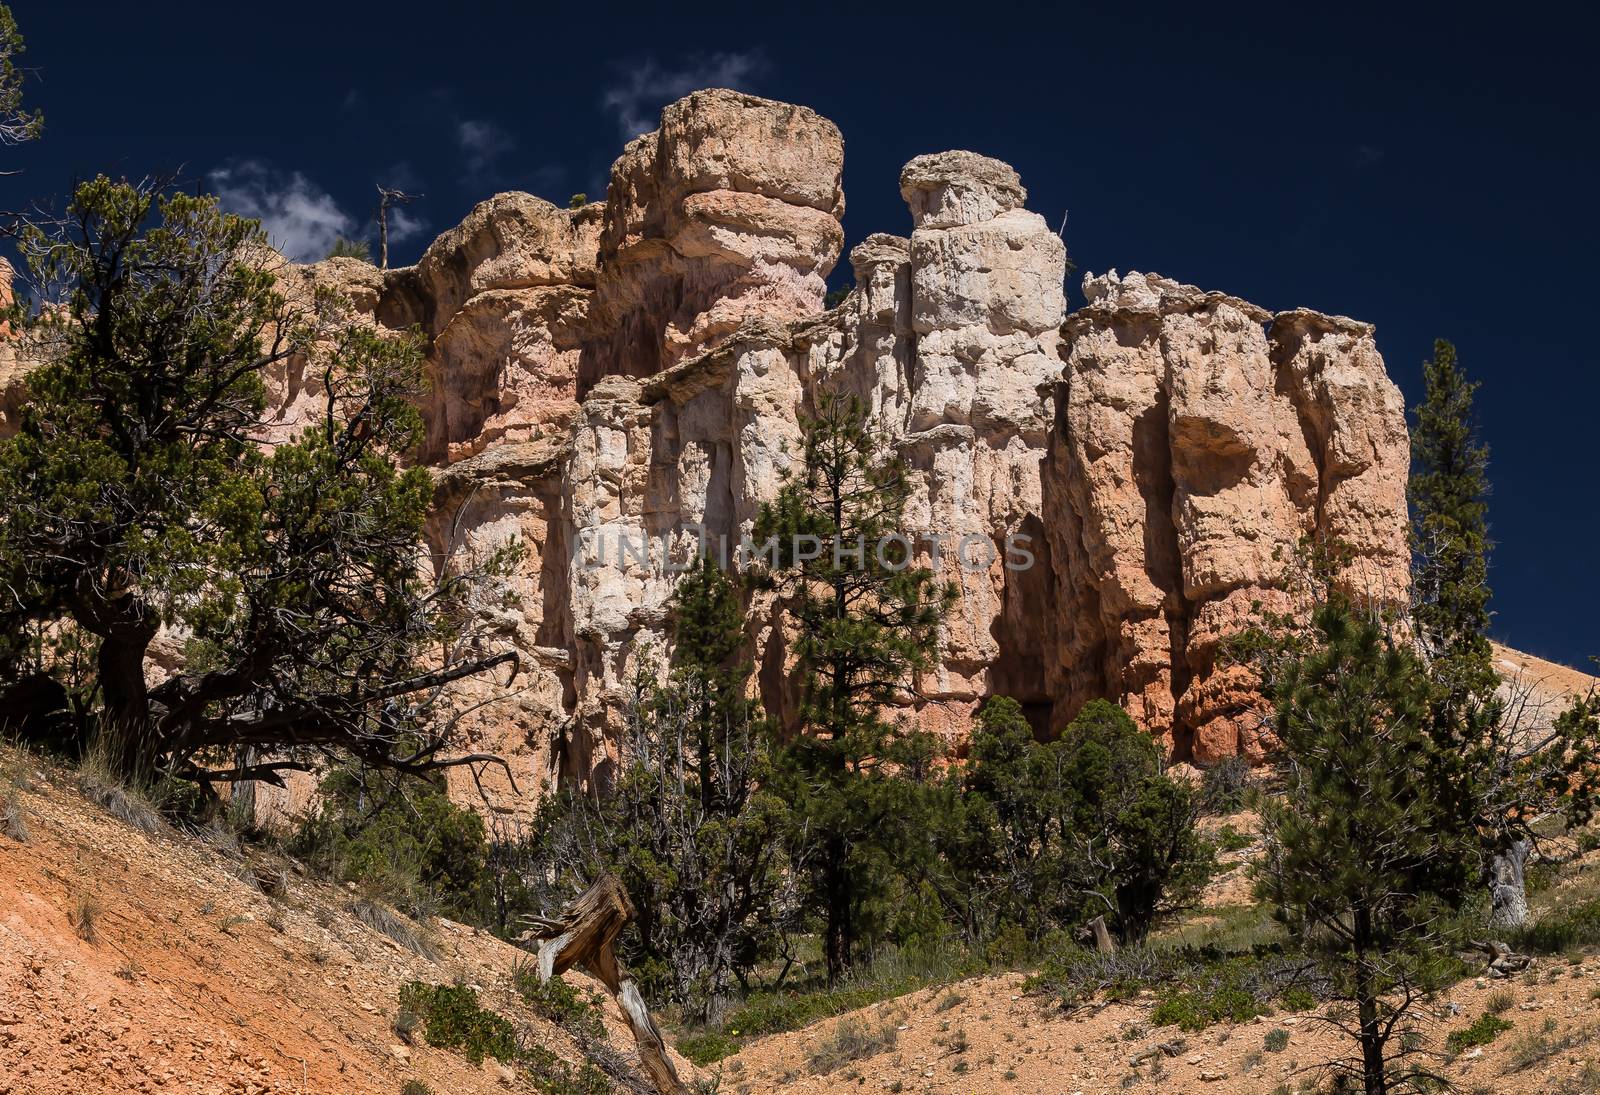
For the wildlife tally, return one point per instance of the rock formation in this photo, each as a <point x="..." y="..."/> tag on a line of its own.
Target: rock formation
<point x="614" y="385"/>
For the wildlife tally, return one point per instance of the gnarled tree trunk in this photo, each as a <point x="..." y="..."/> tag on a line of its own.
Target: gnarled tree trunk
<point x="1508" y="886"/>
<point x="585" y="935"/>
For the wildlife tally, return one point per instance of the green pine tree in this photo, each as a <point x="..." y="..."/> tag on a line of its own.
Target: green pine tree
<point x="1133" y="850"/>
<point x="1505" y="766"/>
<point x="1050" y="834"/>
<point x="1448" y="492"/>
<point x="865" y="619"/>
<point x="691" y="828"/>
<point x="1363" y="852"/>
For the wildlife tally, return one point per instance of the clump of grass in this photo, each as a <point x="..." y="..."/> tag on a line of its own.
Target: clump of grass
<point x="452" y="1018"/>
<point x="385" y="921"/>
<point x="891" y="974"/>
<point x="1586" y="1082"/>
<point x="14" y="817"/>
<point x="1276" y="1041"/>
<point x="116" y="798"/>
<point x="1535" y="1049"/>
<point x="1561" y="930"/>
<point x="85" y="919"/>
<point x="415" y="1087"/>
<point x="405" y="1024"/>
<point x="1500" y="1001"/>
<point x="852" y="1040"/>
<point x="553" y="1076"/>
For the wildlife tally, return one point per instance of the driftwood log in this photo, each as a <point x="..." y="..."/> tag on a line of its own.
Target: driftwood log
<point x="584" y="935"/>
<point x="1503" y="961"/>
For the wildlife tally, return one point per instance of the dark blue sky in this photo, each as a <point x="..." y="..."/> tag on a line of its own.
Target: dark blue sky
<point x="1433" y="172"/>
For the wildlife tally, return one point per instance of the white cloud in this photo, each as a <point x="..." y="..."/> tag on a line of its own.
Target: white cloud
<point x="482" y="143"/>
<point x="638" y="99"/>
<point x="302" y="220"/>
<point x="404" y="225"/>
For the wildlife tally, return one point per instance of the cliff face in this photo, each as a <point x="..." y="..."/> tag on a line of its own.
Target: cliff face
<point x="635" y="372"/>
<point x="1159" y="453"/>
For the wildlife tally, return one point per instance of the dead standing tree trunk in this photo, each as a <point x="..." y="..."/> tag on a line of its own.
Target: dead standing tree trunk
<point x="388" y="196"/>
<point x="585" y="935"/>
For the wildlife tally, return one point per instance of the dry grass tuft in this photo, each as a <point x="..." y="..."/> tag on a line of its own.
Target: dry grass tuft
<point x="117" y="799"/>
<point x="14" y="817"/>
<point x="852" y="1040"/>
<point x="385" y="921"/>
<point x="85" y="919"/>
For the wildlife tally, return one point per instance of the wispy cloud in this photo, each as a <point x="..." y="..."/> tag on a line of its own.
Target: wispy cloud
<point x="404" y="225"/>
<point x="482" y="144"/>
<point x="637" y="99"/>
<point x="302" y="220"/>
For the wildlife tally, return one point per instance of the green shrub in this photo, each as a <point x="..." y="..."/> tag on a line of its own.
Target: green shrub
<point x="708" y="1047"/>
<point x="557" y="1001"/>
<point x="1485" y="1030"/>
<point x="1230" y="839"/>
<point x="1192" y="1010"/>
<point x="404" y="841"/>
<point x="1223" y="787"/>
<point x="1298" y="999"/>
<point x="1276" y="1041"/>
<point x="415" y="1087"/>
<point x="452" y="1018"/>
<point x="553" y="1076"/>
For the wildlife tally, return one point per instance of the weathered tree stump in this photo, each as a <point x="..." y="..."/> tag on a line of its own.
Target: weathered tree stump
<point x="584" y="935"/>
<point x="1102" y="936"/>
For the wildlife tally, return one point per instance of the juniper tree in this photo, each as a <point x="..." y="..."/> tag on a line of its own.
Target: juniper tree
<point x="1051" y="834"/>
<point x="140" y="493"/>
<point x="865" y="619"/>
<point x="1362" y="854"/>
<point x="1131" y="850"/>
